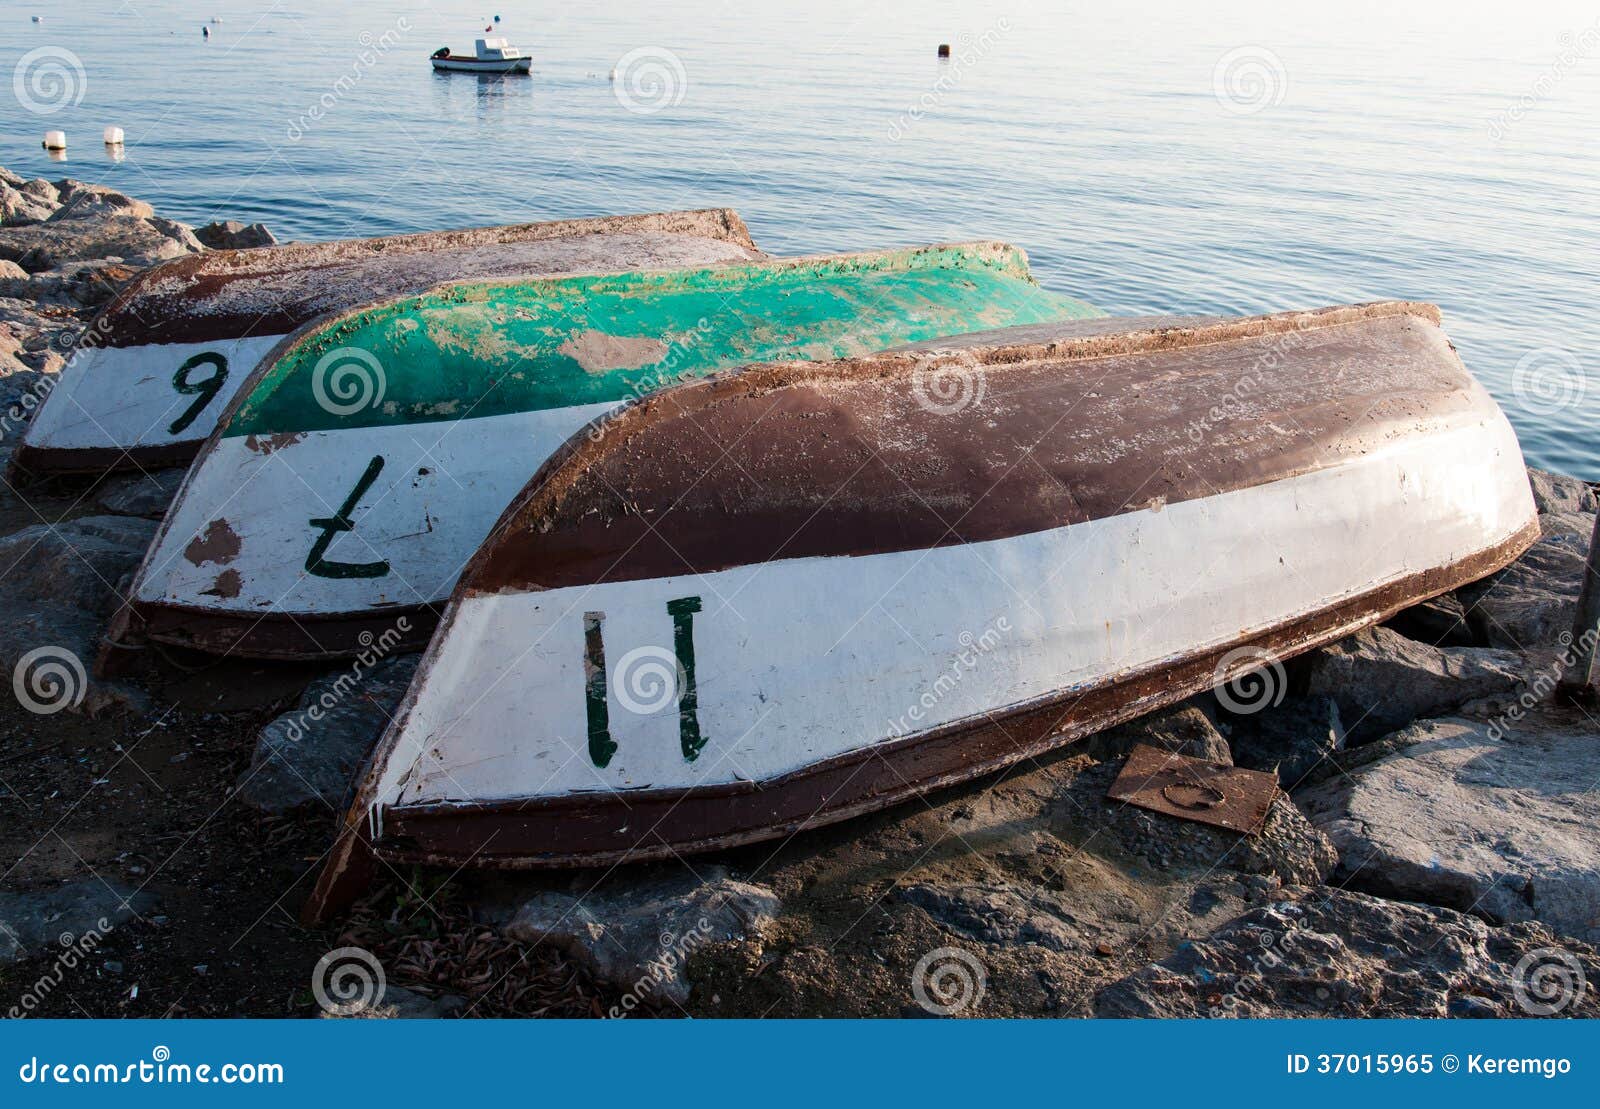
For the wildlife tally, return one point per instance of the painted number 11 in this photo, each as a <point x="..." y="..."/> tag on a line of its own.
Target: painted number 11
<point x="690" y="739"/>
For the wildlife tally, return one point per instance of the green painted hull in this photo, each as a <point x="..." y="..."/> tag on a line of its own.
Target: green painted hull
<point x="478" y="350"/>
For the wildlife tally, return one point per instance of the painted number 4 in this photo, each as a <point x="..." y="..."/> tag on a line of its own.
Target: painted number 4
<point x="317" y="561"/>
<point x="690" y="739"/>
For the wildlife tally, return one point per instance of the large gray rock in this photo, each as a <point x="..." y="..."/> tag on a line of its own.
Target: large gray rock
<point x="73" y="285"/>
<point x="1329" y="953"/>
<point x="1440" y="622"/>
<point x="1182" y="729"/>
<point x="1533" y="602"/>
<point x="137" y="241"/>
<point x="34" y="923"/>
<point x="79" y="199"/>
<point x="145" y="494"/>
<point x="1559" y="493"/>
<point x="311" y="755"/>
<point x="233" y="235"/>
<point x="62" y="581"/>
<point x="1495" y="818"/>
<point x="1295" y="739"/>
<point x="637" y="936"/>
<point x="1382" y="681"/>
<point x="19" y="208"/>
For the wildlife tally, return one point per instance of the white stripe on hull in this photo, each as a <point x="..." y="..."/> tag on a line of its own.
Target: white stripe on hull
<point x="110" y="397"/>
<point x="802" y="660"/>
<point x="441" y="487"/>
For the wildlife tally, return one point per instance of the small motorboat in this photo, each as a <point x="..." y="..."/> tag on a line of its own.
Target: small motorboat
<point x="783" y="597"/>
<point x="366" y="459"/>
<point x="160" y="362"/>
<point x="490" y="55"/>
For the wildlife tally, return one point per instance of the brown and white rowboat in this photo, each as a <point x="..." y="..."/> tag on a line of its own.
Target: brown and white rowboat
<point x="770" y="601"/>
<point x="158" y="365"/>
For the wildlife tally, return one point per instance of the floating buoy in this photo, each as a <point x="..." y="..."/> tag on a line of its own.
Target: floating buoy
<point x="497" y="19"/>
<point x="113" y="136"/>
<point x="38" y="19"/>
<point x="944" y="50"/>
<point x="613" y="75"/>
<point x="216" y="19"/>
<point x="205" y="32"/>
<point x="55" y="140"/>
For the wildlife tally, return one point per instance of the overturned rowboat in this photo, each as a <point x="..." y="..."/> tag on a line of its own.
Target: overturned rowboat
<point x="365" y="461"/>
<point x="882" y="576"/>
<point x="158" y="365"/>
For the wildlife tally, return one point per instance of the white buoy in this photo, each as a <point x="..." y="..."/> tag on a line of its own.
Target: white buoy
<point x="113" y="136"/>
<point x="613" y="74"/>
<point x="55" y="140"/>
<point x="38" y="19"/>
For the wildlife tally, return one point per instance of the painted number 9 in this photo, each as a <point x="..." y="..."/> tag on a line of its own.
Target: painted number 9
<point x="203" y="390"/>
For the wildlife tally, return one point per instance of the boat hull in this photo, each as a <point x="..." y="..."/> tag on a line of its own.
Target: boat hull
<point x="160" y="363"/>
<point x="462" y="64"/>
<point x="477" y="389"/>
<point x="922" y="596"/>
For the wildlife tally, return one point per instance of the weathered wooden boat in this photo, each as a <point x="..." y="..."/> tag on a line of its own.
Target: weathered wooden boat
<point x="160" y="362"/>
<point x="365" y="461"/>
<point x="787" y="596"/>
<point x="489" y="55"/>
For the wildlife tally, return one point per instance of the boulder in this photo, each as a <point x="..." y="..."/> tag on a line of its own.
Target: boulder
<point x="1559" y="493"/>
<point x="64" y="581"/>
<point x="35" y="923"/>
<point x="72" y="285"/>
<point x="1494" y="818"/>
<point x="1580" y="524"/>
<point x="637" y="936"/>
<point x="310" y="756"/>
<point x="79" y="199"/>
<point x="145" y="494"/>
<point x="1382" y="681"/>
<point x="1331" y="953"/>
<point x="233" y="235"/>
<point x="1440" y="622"/>
<point x="18" y="208"/>
<point x="1533" y="602"/>
<point x="1183" y="729"/>
<point x="44" y="190"/>
<point x="1294" y="738"/>
<point x="999" y="914"/>
<point x="137" y="241"/>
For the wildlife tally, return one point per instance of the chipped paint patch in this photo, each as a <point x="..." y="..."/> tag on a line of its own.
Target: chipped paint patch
<point x="266" y="444"/>
<point x="600" y="353"/>
<point x="228" y="585"/>
<point x="219" y="543"/>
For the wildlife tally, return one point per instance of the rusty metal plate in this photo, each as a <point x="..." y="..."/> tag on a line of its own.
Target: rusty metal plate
<point x="1193" y="789"/>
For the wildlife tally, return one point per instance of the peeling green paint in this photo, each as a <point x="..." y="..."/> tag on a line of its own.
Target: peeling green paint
<point x="486" y="349"/>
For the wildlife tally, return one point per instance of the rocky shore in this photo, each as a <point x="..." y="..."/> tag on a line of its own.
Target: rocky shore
<point x="1433" y="852"/>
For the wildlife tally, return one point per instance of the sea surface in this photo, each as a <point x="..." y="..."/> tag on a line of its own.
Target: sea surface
<point x="1150" y="157"/>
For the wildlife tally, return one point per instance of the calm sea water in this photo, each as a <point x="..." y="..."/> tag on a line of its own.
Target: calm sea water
<point x="1148" y="156"/>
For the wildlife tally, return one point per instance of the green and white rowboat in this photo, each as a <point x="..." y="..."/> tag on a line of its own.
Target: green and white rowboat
<point x="156" y="367"/>
<point x="365" y="460"/>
